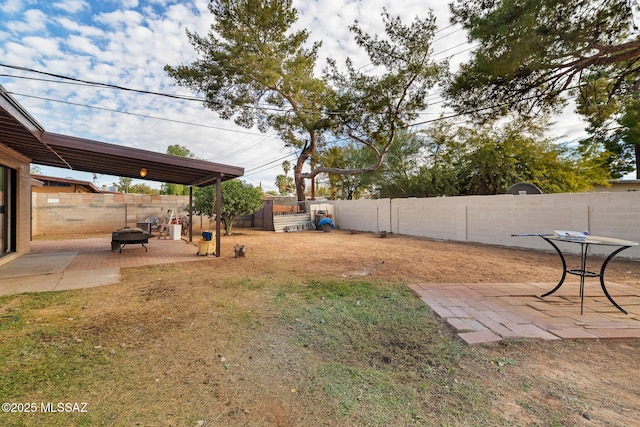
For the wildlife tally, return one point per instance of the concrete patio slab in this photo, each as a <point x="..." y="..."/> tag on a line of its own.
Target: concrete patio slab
<point x="54" y="265"/>
<point x="37" y="264"/>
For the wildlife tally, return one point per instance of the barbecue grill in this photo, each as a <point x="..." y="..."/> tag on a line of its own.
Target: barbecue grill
<point x="128" y="236"/>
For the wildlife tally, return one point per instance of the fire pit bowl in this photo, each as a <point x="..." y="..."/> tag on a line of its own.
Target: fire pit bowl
<point x="127" y="236"/>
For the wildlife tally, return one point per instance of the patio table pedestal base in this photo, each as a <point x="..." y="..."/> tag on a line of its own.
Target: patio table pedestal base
<point x="582" y="272"/>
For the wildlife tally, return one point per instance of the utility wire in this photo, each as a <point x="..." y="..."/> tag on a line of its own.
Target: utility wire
<point x="105" y="85"/>
<point x="74" y="80"/>
<point x="146" y="116"/>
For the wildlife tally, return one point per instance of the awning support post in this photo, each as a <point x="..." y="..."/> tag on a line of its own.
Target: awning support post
<point x="190" y="214"/>
<point x="218" y="203"/>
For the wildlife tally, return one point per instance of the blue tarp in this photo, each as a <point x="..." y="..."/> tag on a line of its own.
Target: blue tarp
<point x="324" y="221"/>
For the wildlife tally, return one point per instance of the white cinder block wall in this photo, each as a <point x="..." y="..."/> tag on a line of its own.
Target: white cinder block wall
<point x="492" y="219"/>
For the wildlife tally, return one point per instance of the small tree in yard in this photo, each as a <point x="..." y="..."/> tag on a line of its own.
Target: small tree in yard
<point x="238" y="198"/>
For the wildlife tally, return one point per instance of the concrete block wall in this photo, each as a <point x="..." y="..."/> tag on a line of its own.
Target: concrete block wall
<point x="364" y="215"/>
<point x="64" y="213"/>
<point x="493" y="219"/>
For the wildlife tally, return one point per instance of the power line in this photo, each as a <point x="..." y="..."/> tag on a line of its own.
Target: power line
<point x="117" y="87"/>
<point x="77" y="81"/>
<point x="270" y="163"/>
<point x="146" y="116"/>
<point x="98" y="84"/>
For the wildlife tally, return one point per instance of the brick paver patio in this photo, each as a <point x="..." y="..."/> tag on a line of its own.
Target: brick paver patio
<point x="95" y="253"/>
<point x="491" y="312"/>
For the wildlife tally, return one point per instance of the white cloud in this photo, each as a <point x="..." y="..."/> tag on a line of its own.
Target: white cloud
<point x="73" y="26"/>
<point x="83" y="45"/>
<point x="120" y="19"/>
<point x="11" y="6"/>
<point x="34" y="20"/>
<point x="72" y="6"/>
<point x="129" y="4"/>
<point x="48" y="47"/>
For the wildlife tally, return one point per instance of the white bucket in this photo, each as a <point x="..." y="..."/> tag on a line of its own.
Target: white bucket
<point x="175" y="231"/>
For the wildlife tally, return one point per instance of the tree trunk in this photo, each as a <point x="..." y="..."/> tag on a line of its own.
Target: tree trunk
<point x="307" y="151"/>
<point x="297" y="171"/>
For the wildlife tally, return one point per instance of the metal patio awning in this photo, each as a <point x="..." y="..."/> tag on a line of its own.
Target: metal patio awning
<point x="22" y="134"/>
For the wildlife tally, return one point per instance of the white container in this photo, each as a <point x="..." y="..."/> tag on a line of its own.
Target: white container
<point x="175" y="231"/>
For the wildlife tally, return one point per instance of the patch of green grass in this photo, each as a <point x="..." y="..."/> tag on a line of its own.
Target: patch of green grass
<point x="247" y="283"/>
<point x="384" y="358"/>
<point x="367" y="396"/>
<point x="42" y="359"/>
<point x="37" y="300"/>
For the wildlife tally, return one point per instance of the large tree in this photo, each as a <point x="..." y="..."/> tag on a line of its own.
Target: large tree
<point x="532" y="55"/>
<point x="613" y="125"/>
<point x="255" y="69"/>
<point x="448" y="159"/>
<point x="420" y="164"/>
<point x="353" y="156"/>
<point x="530" y="52"/>
<point x="123" y="185"/>
<point x="499" y="155"/>
<point x="376" y="107"/>
<point x="252" y="68"/>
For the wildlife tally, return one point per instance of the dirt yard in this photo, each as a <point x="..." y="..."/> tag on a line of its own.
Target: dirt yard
<point x="210" y="333"/>
<point x="358" y="254"/>
<point x="604" y="374"/>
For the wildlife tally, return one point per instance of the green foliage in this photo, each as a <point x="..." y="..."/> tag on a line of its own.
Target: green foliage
<point x="252" y="58"/>
<point x="285" y="184"/>
<point x="180" y="151"/>
<point x="630" y="122"/>
<point x="532" y="54"/>
<point x="612" y="120"/>
<point x="447" y="160"/>
<point x="519" y="152"/>
<point x="377" y="106"/>
<point x="238" y="198"/>
<point x="286" y="167"/>
<point x="351" y="156"/>
<point x="142" y="189"/>
<point x="418" y="166"/>
<point x="531" y="51"/>
<point x="203" y="198"/>
<point x="610" y="151"/>
<point x="175" y="189"/>
<point x="123" y="185"/>
<point x="169" y="187"/>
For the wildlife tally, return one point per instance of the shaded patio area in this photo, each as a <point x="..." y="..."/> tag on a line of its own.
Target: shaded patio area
<point x="80" y="263"/>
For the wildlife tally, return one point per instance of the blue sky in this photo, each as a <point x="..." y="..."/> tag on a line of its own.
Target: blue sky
<point x="128" y="42"/>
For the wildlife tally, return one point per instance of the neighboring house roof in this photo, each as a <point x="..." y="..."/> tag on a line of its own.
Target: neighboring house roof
<point x="52" y="179"/>
<point x="21" y="132"/>
<point x="619" y="185"/>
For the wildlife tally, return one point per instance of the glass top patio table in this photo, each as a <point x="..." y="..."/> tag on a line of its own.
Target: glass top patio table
<point x="584" y="242"/>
